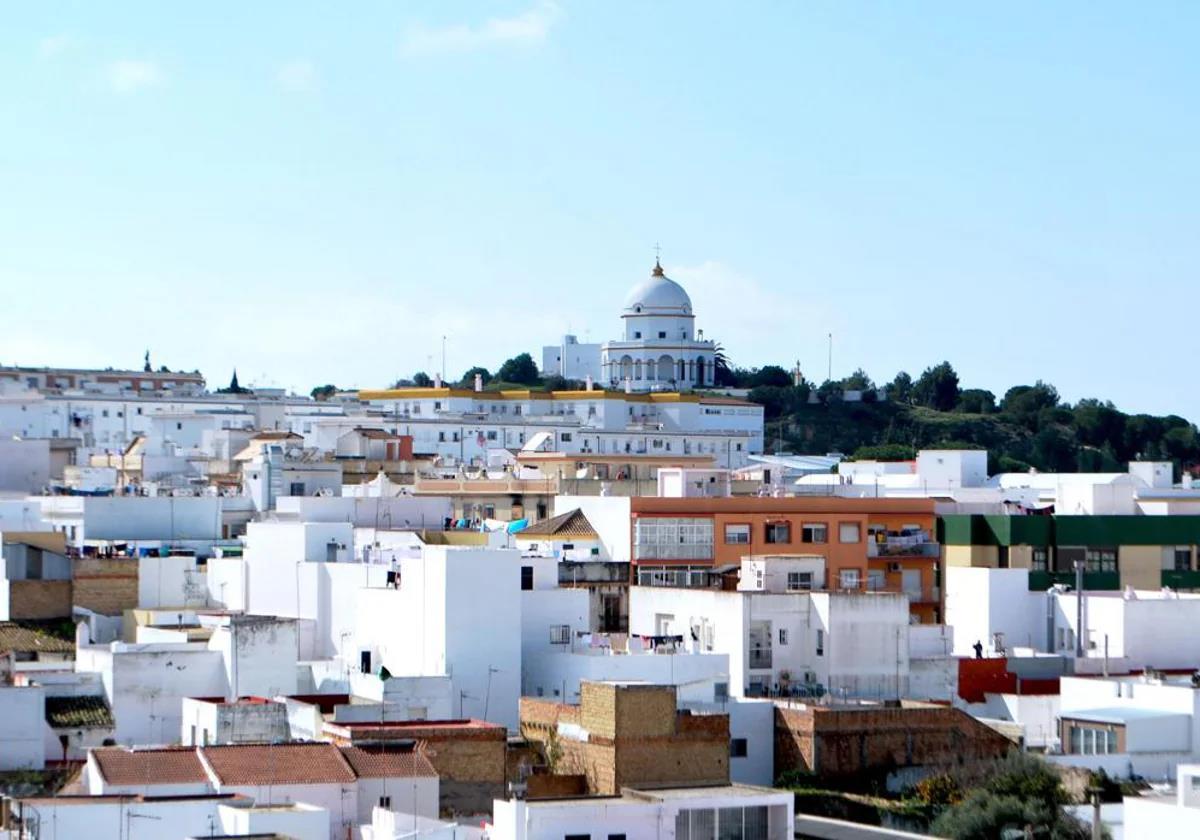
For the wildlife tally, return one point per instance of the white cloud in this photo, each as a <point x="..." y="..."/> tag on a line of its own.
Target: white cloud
<point x="297" y="76"/>
<point x="55" y="45"/>
<point x="529" y="28"/>
<point x="130" y="75"/>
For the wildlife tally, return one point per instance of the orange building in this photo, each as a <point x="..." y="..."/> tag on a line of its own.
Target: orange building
<point x="865" y="544"/>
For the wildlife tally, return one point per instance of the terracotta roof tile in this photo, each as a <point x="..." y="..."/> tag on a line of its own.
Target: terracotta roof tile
<point x="171" y="765"/>
<point x="72" y="712"/>
<point x="570" y="524"/>
<point x="278" y="764"/>
<point x="16" y="637"/>
<point x="378" y="763"/>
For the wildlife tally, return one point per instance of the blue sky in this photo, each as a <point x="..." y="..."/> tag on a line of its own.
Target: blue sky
<point x="315" y="196"/>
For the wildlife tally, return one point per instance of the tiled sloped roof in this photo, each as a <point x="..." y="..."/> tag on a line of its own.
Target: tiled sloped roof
<point x="570" y="524"/>
<point x="167" y="766"/>
<point x="378" y="763"/>
<point x="75" y="712"/>
<point x="22" y="639"/>
<point x="278" y="764"/>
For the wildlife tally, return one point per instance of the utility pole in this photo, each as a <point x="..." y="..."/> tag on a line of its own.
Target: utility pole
<point x="1079" y="566"/>
<point x="829" y="374"/>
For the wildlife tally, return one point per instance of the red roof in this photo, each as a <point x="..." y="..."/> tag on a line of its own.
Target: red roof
<point x="379" y="763"/>
<point x="278" y="764"/>
<point x="169" y="766"/>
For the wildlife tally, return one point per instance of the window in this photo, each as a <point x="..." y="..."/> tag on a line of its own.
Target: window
<point x="577" y="837"/>
<point x="489" y="511"/>
<point x="296" y="488"/>
<point x="783" y="636"/>
<point x="1040" y="562"/>
<point x="139" y="411"/>
<point x="526" y="578"/>
<point x="820" y="642"/>
<point x="1183" y="558"/>
<point x="441" y="437"/>
<point x="178" y="427"/>
<point x="673" y="538"/>
<point x="721" y="693"/>
<point x="560" y="634"/>
<point x="799" y="581"/>
<point x="1101" y="560"/>
<point x="616" y="836"/>
<point x="737" y="748"/>
<point x="385" y="802"/>
<point x="849" y="532"/>
<point x="491" y="435"/>
<point x="104" y="412"/>
<point x="637" y="334"/>
<point x="814" y="532"/>
<point x="1092" y="740"/>
<point x="778" y="532"/>
<point x="662" y="334"/>
<point x="849" y="579"/>
<point x="737" y="534"/>
<point x="565" y="437"/>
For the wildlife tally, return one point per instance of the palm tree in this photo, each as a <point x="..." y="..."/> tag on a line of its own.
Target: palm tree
<point x="722" y="373"/>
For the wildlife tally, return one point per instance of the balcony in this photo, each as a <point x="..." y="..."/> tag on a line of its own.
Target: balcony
<point x="915" y="546"/>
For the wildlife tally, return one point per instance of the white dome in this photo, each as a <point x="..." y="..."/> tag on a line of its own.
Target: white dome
<point x="658" y="294"/>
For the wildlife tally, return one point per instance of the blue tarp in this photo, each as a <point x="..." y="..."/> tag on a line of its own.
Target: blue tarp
<point x="517" y="525"/>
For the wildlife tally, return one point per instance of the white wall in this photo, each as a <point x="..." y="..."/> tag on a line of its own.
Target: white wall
<point x="981" y="602"/>
<point x="550" y="674"/>
<point x="302" y="822"/>
<point x="24" y="464"/>
<point x="457" y="612"/>
<point x="609" y="516"/>
<point x="22" y="718"/>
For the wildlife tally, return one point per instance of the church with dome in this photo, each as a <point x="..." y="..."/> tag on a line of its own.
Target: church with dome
<point x="660" y="349"/>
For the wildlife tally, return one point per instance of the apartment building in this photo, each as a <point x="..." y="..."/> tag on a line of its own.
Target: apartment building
<point x="878" y="545"/>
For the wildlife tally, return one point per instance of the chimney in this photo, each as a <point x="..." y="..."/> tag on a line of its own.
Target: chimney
<point x="589" y="382"/>
<point x="478" y="382"/>
<point x="628" y="385"/>
<point x="437" y="380"/>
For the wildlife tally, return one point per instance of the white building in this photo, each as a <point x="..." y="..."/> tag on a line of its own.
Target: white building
<point x="848" y="644"/>
<point x="660" y="348"/>
<point x="136" y="817"/>
<point x="572" y="360"/>
<point x="454" y="612"/>
<point x="661" y="814"/>
<point x="345" y="783"/>
<point x="1134" y="629"/>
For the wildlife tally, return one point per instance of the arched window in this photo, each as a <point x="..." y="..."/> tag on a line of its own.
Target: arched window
<point x="666" y="368"/>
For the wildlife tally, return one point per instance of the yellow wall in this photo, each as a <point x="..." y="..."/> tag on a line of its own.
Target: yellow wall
<point x="986" y="556"/>
<point x="1141" y="566"/>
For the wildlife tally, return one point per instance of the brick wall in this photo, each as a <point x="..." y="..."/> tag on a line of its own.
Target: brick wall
<point x="634" y="736"/>
<point x="108" y="586"/>
<point x="546" y="786"/>
<point x="842" y="742"/>
<point x="39" y="599"/>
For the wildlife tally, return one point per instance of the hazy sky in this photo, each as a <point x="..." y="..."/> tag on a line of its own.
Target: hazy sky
<point x="317" y="196"/>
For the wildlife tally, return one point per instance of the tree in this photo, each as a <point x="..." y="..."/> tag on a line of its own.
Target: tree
<point x="884" y="452"/>
<point x="858" y="381"/>
<point x="1025" y="402"/>
<point x="976" y="401"/>
<point x="520" y="369"/>
<point x="1021" y="795"/>
<point x="937" y="388"/>
<point x="234" y="387"/>
<point x="421" y="379"/>
<point x="900" y="389"/>
<point x="146" y="367"/>
<point x="770" y="376"/>
<point x="323" y="392"/>
<point x="468" y="378"/>
<point x="723" y="376"/>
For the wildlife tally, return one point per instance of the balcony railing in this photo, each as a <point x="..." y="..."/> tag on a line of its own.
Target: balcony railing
<point x="903" y="547"/>
<point x="760" y="657"/>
